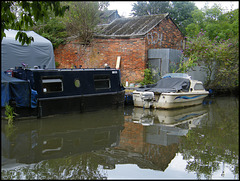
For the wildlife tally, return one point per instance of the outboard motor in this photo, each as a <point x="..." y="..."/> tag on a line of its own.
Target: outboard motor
<point x="147" y="98"/>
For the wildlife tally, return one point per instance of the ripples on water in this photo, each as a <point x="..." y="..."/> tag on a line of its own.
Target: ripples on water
<point x="126" y="143"/>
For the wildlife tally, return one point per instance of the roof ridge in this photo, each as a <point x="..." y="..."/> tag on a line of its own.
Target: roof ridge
<point x="166" y="14"/>
<point x="132" y="26"/>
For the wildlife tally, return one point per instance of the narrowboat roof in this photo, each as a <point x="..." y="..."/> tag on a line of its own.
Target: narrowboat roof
<point x="74" y="69"/>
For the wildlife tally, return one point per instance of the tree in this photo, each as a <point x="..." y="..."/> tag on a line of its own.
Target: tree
<point x="181" y="13"/>
<point x="214" y="22"/>
<point x="213" y="41"/>
<point x="142" y="8"/>
<point x="220" y="57"/>
<point x="52" y="28"/>
<point x="29" y="13"/>
<point x="57" y="29"/>
<point x="82" y="19"/>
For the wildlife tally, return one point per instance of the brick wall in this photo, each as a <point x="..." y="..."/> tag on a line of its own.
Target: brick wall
<point x="101" y="51"/>
<point x="133" y="51"/>
<point x="165" y="35"/>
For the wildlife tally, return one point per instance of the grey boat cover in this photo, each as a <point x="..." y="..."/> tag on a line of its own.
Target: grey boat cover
<point x="167" y="84"/>
<point x="38" y="53"/>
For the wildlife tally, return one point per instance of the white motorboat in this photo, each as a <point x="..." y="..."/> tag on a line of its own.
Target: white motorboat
<point x="174" y="90"/>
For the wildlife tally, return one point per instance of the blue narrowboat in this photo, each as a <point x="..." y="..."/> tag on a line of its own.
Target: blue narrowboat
<point x="72" y="90"/>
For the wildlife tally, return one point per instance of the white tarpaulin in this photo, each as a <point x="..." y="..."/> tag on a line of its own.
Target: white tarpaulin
<point x="38" y="53"/>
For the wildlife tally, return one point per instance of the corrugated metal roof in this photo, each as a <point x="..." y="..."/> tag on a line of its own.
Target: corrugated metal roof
<point x="130" y="27"/>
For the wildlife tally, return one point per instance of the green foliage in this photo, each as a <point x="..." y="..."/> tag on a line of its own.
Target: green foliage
<point x="10" y="114"/>
<point x="181" y="13"/>
<point x="53" y="29"/>
<point x="148" y="78"/>
<point x="186" y="65"/>
<point x="21" y="15"/>
<point x="214" y="22"/>
<point x="213" y="41"/>
<point x="218" y="56"/>
<point x="142" y="8"/>
<point x="82" y="19"/>
<point x="57" y="64"/>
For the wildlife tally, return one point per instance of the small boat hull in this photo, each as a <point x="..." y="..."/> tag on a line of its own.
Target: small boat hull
<point x="169" y="100"/>
<point x="178" y="100"/>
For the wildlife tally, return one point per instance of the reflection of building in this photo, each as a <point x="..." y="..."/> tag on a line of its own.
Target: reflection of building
<point x="155" y="133"/>
<point x="136" y="138"/>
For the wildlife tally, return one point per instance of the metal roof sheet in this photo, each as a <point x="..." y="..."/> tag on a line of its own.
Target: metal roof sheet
<point x="133" y="26"/>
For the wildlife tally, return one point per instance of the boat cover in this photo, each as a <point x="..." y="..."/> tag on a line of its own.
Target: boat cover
<point x="38" y="53"/>
<point x="168" y="84"/>
<point x="17" y="90"/>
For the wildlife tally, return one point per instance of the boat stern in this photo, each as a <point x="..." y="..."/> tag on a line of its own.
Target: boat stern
<point x="143" y="99"/>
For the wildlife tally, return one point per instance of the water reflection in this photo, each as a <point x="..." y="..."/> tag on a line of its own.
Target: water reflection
<point x="89" y="145"/>
<point x="154" y="134"/>
<point x="59" y="136"/>
<point x="216" y="143"/>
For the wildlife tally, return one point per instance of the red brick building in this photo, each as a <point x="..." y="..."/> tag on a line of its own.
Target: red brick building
<point x="129" y="38"/>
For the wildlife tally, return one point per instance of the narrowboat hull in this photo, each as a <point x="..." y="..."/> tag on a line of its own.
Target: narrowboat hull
<point x="57" y="91"/>
<point x="80" y="103"/>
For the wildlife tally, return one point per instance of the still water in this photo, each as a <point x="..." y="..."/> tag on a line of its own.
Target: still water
<point x="199" y="142"/>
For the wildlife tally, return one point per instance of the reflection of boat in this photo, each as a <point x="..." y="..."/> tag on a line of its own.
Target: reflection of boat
<point x="56" y="137"/>
<point x="174" y="90"/>
<point x="163" y="127"/>
<point x="170" y="117"/>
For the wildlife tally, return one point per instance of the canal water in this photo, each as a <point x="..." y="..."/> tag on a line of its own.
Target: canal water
<point x="199" y="142"/>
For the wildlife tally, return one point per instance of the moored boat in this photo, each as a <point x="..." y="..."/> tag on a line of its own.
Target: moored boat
<point x="72" y="90"/>
<point x="174" y="90"/>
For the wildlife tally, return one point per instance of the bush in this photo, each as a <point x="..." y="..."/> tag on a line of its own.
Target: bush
<point x="148" y="78"/>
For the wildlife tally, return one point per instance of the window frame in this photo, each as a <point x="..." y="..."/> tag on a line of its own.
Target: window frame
<point x="105" y="79"/>
<point x="47" y="88"/>
<point x="197" y="85"/>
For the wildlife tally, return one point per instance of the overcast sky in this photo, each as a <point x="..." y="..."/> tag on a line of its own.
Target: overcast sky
<point x="124" y="7"/>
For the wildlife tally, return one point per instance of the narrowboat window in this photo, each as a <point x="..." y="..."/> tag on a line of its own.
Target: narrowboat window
<point x="52" y="85"/>
<point x="102" y="82"/>
<point x="77" y="83"/>
<point x="198" y="87"/>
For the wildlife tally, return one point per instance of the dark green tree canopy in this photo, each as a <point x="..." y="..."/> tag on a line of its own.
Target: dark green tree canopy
<point x="142" y="8"/>
<point x="20" y="15"/>
<point x="181" y="13"/>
